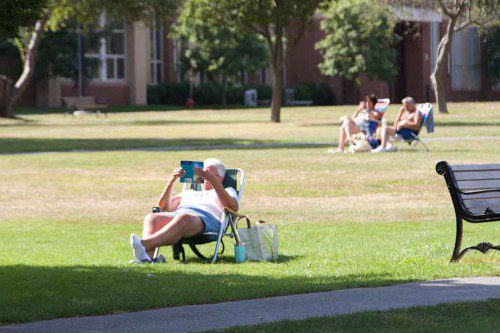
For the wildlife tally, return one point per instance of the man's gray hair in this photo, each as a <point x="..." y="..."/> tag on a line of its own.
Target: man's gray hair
<point x="221" y="169"/>
<point x="408" y="99"/>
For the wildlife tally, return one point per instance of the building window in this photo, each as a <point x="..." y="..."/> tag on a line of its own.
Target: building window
<point x="157" y="55"/>
<point x="465" y="60"/>
<point x="106" y="59"/>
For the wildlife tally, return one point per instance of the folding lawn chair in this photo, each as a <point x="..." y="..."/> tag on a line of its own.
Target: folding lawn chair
<point x="229" y="219"/>
<point x="413" y="138"/>
<point x="380" y="107"/>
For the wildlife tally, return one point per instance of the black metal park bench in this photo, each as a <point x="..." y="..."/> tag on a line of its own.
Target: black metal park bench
<point x="475" y="192"/>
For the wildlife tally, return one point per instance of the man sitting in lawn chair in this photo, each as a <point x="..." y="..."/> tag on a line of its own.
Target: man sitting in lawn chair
<point x="406" y="124"/>
<point x="188" y="213"/>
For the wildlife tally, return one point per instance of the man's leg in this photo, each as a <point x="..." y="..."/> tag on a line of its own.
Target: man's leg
<point x="152" y="223"/>
<point x="182" y="225"/>
<point x="342" y="138"/>
<point x="386" y="134"/>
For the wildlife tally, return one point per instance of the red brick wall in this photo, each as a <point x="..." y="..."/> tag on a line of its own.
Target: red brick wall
<point x="413" y="70"/>
<point x="302" y="60"/>
<point x="109" y="93"/>
<point x="168" y="57"/>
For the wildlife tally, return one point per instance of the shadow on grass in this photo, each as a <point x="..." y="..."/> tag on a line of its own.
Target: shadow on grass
<point x="189" y="259"/>
<point x="30" y="293"/>
<point x="164" y="122"/>
<point x="132" y="108"/>
<point x="19" y="145"/>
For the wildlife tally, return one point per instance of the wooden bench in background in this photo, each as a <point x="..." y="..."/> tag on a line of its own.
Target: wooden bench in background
<point x="475" y="192"/>
<point x="83" y="104"/>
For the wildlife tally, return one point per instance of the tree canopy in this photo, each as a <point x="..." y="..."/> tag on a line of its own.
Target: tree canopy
<point x="359" y="35"/>
<point x="267" y="18"/>
<point x="214" y="48"/>
<point x="15" y="14"/>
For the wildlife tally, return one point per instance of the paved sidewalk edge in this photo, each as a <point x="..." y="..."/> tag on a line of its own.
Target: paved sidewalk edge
<point x="292" y="307"/>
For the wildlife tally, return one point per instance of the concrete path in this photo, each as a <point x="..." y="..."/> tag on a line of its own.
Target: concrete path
<point x="268" y="145"/>
<point x="250" y="312"/>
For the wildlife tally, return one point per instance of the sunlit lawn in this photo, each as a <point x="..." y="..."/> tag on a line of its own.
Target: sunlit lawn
<point x="343" y="221"/>
<point x="202" y="127"/>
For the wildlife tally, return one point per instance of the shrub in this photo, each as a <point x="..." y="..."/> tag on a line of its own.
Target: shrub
<point x="211" y="93"/>
<point x="204" y="94"/>
<point x="319" y="93"/>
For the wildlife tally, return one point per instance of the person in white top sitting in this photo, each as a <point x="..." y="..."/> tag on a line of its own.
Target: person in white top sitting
<point x="359" y="122"/>
<point x="187" y="213"/>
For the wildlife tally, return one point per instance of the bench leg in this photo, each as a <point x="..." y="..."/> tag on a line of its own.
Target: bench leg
<point x="484" y="247"/>
<point x="458" y="242"/>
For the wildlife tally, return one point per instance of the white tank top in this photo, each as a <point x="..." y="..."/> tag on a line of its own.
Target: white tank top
<point x="205" y="200"/>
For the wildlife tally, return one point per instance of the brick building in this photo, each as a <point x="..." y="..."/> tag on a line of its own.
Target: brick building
<point x="133" y="56"/>
<point x="421" y="31"/>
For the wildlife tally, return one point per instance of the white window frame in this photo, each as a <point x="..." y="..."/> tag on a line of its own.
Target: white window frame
<point x="157" y="51"/>
<point x="103" y="56"/>
<point x="176" y="54"/>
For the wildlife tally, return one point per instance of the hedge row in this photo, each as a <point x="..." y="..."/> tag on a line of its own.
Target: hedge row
<point x="211" y="93"/>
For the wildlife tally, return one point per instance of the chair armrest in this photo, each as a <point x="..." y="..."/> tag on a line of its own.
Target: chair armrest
<point x="228" y="210"/>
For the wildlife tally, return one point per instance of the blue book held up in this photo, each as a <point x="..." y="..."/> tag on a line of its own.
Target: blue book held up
<point x="188" y="167"/>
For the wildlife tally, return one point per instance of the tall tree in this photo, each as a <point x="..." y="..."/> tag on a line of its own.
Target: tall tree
<point x="459" y="14"/>
<point x="267" y="18"/>
<point x="14" y="16"/>
<point x="215" y="48"/>
<point x="359" y="35"/>
<point x="53" y="14"/>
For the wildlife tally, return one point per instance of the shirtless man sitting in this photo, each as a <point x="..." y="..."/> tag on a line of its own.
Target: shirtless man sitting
<point x="407" y="122"/>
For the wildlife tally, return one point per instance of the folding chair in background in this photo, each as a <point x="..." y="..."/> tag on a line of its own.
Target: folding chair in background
<point x="381" y="108"/>
<point x="413" y="138"/>
<point x="234" y="178"/>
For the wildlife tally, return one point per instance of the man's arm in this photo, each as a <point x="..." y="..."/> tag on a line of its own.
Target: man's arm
<point x="225" y="199"/>
<point x="166" y="201"/>
<point x="413" y="123"/>
<point x="398" y="118"/>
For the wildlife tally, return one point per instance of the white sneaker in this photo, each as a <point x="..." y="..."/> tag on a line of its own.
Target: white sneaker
<point x="139" y="250"/>
<point x="379" y="149"/>
<point x="335" y="151"/>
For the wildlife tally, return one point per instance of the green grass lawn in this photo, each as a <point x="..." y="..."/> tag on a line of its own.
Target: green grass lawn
<point x="54" y="131"/>
<point x="458" y="317"/>
<point x="343" y="221"/>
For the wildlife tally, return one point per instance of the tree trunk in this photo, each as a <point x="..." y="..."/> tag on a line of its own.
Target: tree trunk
<point x="224" y="89"/>
<point x="29" y="64"/>
<point x="277" y="94"/>
<point x="5" y="95"/>
<point x="438" y="77"/>
<point x="277" y="64"/>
